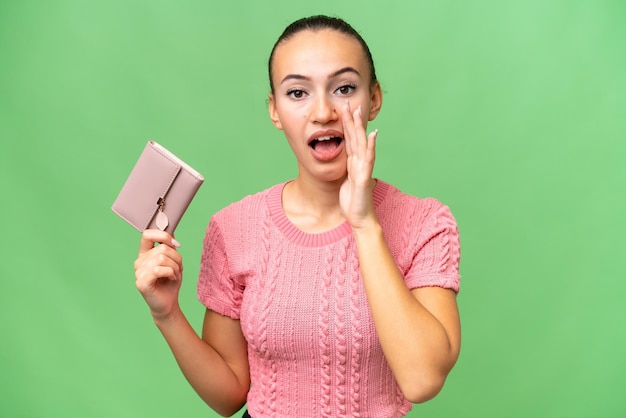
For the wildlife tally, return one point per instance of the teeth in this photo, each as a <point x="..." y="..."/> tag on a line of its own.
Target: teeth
<point x="326" y="138"/>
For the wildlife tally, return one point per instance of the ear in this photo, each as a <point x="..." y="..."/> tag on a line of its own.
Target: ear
<point x="271" y="107"/>
<point x="376" y="101"/>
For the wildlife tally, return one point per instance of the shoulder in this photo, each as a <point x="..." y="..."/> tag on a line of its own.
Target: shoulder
<point x="242" y="219"/>
<point x="424" y="239"/>
<point x="396" y="204"/>
<point x="249" y="206"/>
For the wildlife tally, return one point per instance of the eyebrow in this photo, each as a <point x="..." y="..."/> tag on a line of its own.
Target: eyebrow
<point x="335" y="74"/>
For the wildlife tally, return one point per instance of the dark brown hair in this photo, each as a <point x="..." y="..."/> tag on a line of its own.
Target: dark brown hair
<point x="317" y="23"/>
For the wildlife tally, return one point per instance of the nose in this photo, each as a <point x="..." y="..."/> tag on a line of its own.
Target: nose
<point x="324" y="110"/>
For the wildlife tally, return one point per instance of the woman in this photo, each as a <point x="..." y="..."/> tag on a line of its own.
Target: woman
<point x="333" y="294"/>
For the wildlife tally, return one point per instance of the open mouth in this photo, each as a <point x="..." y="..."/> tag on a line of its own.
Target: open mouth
<point x="326" y="142"/>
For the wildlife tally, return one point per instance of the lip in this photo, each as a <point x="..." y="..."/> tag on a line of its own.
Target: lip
<point x="326" y="156"/>
<point x="328" y="132"/>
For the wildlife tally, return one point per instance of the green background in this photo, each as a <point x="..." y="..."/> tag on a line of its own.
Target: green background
<point x="511" y="112"/>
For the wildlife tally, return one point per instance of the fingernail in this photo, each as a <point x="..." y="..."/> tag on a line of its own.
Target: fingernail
<point x="175" y="243"/>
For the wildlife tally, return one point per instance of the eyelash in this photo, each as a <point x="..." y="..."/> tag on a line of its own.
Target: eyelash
<point x="351" y="86"/>
<point x="291" y="92"/>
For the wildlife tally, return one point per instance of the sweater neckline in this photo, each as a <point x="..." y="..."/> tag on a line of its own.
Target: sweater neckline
<point x="306" y="239"/>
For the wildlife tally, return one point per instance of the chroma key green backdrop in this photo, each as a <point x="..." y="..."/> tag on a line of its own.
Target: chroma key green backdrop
<point x="510" y="112"/>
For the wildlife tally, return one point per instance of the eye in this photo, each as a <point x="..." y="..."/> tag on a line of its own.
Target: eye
<point x="296" y="93"/>
<point x="346" y="89"/>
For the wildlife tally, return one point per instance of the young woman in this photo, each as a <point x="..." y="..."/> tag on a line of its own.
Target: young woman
<point x="333" y="294"/>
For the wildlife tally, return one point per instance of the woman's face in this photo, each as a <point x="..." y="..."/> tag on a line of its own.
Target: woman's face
<point x="315" y="74"/>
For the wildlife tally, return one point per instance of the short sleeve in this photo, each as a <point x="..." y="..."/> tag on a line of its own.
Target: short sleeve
<point x="437" y="252"/>
<point x="217" y="289"/>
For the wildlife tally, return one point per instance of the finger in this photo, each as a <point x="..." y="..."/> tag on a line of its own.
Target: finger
<point x="163" y="254"/>
<point x="359" y="131"/>
<point x="158" y="253"/>
<point x="371" y="145"/>
<point x="148" y="276"/>
<point x="149" y="237"/>
<point x="348" y="129"/>
<point x="161" y="262"/>
<point x="147" y="281"/>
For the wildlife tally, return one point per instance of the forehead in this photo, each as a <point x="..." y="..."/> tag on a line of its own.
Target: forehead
<point x="312" y="52"/>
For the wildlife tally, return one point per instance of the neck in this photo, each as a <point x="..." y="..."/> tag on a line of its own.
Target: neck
<point x="313" y="206"/>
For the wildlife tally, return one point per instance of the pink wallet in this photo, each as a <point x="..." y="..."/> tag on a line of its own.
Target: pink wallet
<point x="158" y="190"/>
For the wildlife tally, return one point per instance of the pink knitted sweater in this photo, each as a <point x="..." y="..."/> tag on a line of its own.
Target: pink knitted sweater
<point x="312" y="345"/>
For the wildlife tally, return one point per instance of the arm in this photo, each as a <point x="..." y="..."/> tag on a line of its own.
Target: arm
<point x="215" y="365"/>
<point x="419" y="330"/>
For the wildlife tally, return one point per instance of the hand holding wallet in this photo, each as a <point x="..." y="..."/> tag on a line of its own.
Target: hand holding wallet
<point x="158" y="191"/>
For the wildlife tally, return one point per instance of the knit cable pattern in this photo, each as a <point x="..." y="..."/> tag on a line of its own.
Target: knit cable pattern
<point x="341" y="339"/>
<point x="312" y="343"/>
<point x="355" y="329"/>
<point x="268" y="400"/>
<point x="324" y="324"/>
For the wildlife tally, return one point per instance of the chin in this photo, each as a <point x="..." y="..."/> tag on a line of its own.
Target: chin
<point x="332" y="177"/>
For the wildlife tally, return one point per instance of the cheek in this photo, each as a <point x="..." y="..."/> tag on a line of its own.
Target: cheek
<point x="355" y="102"/>
<point x="293" y="118"/>
<point x="297" y="113"/>
<point x="339" y="103"/>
